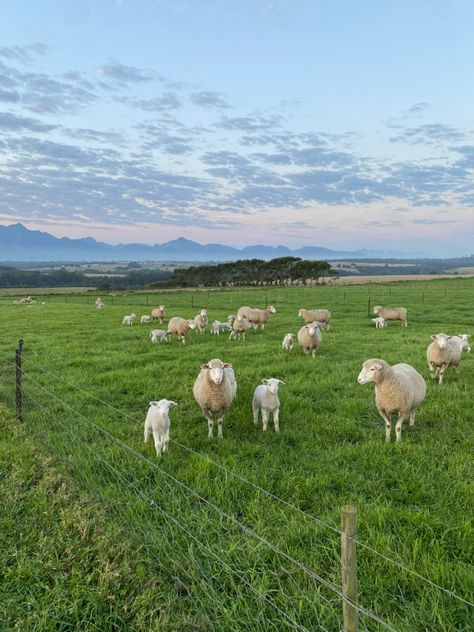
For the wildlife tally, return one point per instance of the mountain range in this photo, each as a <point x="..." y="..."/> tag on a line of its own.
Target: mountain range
<point x="18" y="243"/>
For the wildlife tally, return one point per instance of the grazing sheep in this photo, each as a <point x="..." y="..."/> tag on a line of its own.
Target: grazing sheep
<point x="158" y="313"/>
<point x="145" y="319"/>
<point x="217" y="327"/>
<point x="398" y="389"/>
<point x="239" y="327"/>
<point x="392" y="313"/>
<point x="265" y="400"/>
<point x="379" y="322"/>
<point x="214" y="391"/>
<point x="128" y="320"/>
<point x="159" y="334"/>
<point x="309" y="338"/>
<point x="288" y="342"/>
<point x="231" y="318"/>
<point x="158" y="422"/>
<point x="310" y="315"/>
<point x="27" y="300"/>
<point x="257" y="316"/>
<point x="180" y="327"/>
<point x="201" y="321"/>
<point x="443" y="352"/>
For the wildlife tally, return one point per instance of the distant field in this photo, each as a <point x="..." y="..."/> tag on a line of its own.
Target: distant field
<point x="390" y="278"/>
<point x="415" y="500"/>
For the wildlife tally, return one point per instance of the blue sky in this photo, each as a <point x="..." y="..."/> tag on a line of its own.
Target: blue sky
<point x="342" y="124"/>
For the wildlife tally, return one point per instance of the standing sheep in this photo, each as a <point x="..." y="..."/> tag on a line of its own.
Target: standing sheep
<point x="145" y="319"/>
<point x="257" y="316"/>
<point x="265" y="400"/>
<point x="309" y="338"/>
<point x="443" y="352"/>
<point x="217" y="327"/>
<point x="398" y="389"/>
<point x="158" y="313"/>
<point x="214" y="391"/>
<point x="392" y="313"/>
<point x="201" y="321"/>
<point x="158" y="422"/>
<point x="180" y="327"/>
<point x="287" y="342"/>
<point x="239" y="327"/>
<point x="128" y="320"/>
<point x="98" y="303"/>
<point x="159" y="334"/>
<point x="379" y="322"/>
<point x="310" y="315"/>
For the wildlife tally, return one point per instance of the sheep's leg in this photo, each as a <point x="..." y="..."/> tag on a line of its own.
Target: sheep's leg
<point x="441" y="372"/>
<point x="433" y="371"/>
<point x="398" y="427"/>
<point x="210" y="424"/>
<point x="388" y="425"/>
<point x="183" y="340"/>
<point x="263" y="325"/>
<point x="158" y="442"/>
<point x="255" y="414"/>
<point x="276" y="414"/>
<point x="166" y="440"/>
<point x="412" y="418"/>
<point x="264" y="419"/>
<point x="147" y="433"/>
<point x="219" y="427"/>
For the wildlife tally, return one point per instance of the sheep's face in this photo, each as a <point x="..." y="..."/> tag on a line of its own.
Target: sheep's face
<point x="369" y="373"/>
<point x="271" y="309"/>
<point x="377" y="309"/>
<point x="216" y="370"/>
<point x="203" y="312"/>
<point x="441" y="340"/>
<point x="191" y="324"/>
<point x="272" y="385"/>
<point x="311" y="329"/>
<point x="300" y="313"/>
<point x="165" y="404"/>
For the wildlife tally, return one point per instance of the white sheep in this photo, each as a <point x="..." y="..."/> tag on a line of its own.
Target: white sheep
<point x="157" y="422"/>
<point x="159" y="334"/>
<point x="201" y="321"/>
<point x="145" y="319"/>
<point x="101" y="306"/>
<point x="180" y="327"/>
<point x="392" y="313"/>
<point x="309" y="338"/>
<point x="128" y="320"/>
<point x="158" y="313"/>
<point x="443" y="352"/>
<point x="311" y="315"/>
<point x="287" y="342"/>
<point x="379" y="322"/>
<point x="214" y="391"/>
<point x="265" y="400"/>
<point x="398" y="389"/>
<point x="98" y="302"/>
<point x="464" y="341"/>
<point x="217" y="327"/>
<point x="231" y="318"/>
<point x="239" y="327"/>
<point x="257" y="316"/>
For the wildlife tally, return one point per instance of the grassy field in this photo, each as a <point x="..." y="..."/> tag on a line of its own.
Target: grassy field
<point x="190" y="542"/>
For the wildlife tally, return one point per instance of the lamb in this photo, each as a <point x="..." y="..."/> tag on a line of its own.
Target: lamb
<point x="309" y="338"/>
<point x="158" y="313"/>
<point x="98" y="303"/>
<point x="159" y="334"/>
<point x="265" y="400"/>
<point x="379" y="322"/>
<point x="201" y="321"/>
<point x="217" y="327"/>
<point x="464" y="341"/>
<point x="287" y="342"/>
<point x="180" y="327"/>
<point x="231" y="318"/>
<point x="392" y="313"/>
<point x="257" y="316"/>
<point x="128" y="320"/>
<point x="310" y="315"/>
<point x="443" y="352"/>
<point x="239" y="327"/>
<point x="158" y="422"/>
<point x="145" y="319"/>
<point x="214" y="391"/>
<point x="101" y="306"/>
<point x="398" y="389"/>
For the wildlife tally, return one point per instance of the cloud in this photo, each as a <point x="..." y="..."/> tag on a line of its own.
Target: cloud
<point x="123" y="74"/>
<point x="209" y="99"/>
<point x="167" y="101"/>
<point x="249" y="124"/>
<point x="9" y="96"/>
<point x="14" y="123"/>
<point x="418" y="108"/>
<point x="23" y="54"/>
<point x="434" y="133"/>
<point x="429" y="222"/>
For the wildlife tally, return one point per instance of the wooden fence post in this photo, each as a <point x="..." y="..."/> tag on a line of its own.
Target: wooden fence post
<point x="349" y="568"/>
<point x="18" y="393"/>
<point x="368" y="307"/>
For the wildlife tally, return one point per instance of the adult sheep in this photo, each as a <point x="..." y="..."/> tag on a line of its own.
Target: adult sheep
<point x="310" y="315"/>
<point x="443" y="352"/>
<point x="398" y="389"/>
<point x="239" y="327"/>
<point x="201" y="321"/>
<point x="158" y="313"/>
<point x="392" y="313"/>
<point x="180" y="327"/>
<point x="309" y="338"/>
<point x="214" y="391"/>
<point x="257" y="316"/>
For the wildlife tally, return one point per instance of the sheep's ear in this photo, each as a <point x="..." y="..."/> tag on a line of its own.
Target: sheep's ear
<point x="449" y="337"/>
<point x="204" y="366"/>
<point x="264" y="381"/>
<point x="172" y="403"/>
<point x="434" y="337"/>
<point x="378" y="366"/>
<point x="153" y="404"/>
<point x="281" y="382"/>
<point x="227" y="365"/>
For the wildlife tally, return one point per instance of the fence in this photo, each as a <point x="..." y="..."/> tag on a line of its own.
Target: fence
<point x="209" y="534"/>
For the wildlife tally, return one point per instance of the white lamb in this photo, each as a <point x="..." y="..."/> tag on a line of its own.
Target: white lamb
<point x="128" y="320"/>
<point x="145" y="319"/>
<point x="443" y="352"/>
<point x="158" y="422"/>
<point x="464" y="341"/>
<point x="287" y="342"/>
<point x="379" y="322"/>
<point x="217" y="327"/>
<point x="265" y="400"/>
<point x="159" y="334"/>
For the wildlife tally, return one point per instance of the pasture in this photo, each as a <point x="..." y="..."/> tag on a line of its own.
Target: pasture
<point x="185" y="526"/>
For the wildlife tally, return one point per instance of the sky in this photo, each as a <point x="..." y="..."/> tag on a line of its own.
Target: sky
<point x="298" y="122"/>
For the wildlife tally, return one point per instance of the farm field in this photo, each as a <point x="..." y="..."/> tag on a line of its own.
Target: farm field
<point x="201" y="543"/>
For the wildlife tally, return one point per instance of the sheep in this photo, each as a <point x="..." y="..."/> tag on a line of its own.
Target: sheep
<point x="217" y="327"/>
<point x="214" y="391"/>
<point x="27" y="300"/>
<point x="145" y="319"/>
<point x="398" y="389"/>
<point x="257" y="316"/>
<point x="287" y="342"/>
<point x="309" y="338"/>
<point x="158" y="313"/>
<point x="128" y="320"/>
<point x="98" y="302"/>
<point x="201" y="321"/>
<point x="158" y="422"/>
<point x="101" y="306"/>
<point x="231" y="318"/>
<point x="265" y="400"/>
<point x="464" y="341"/>
<point x="443" y="352"/>
<point x="239" y="327"/>
<point x="392" y="313"/>
<point x="379" y="322"/>
<point x="180" y="327"/>
<point x="159" y="334"/>
<point x="310" y="315"/>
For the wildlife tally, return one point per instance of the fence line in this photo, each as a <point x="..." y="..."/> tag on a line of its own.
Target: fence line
<point x="267" y="493"/>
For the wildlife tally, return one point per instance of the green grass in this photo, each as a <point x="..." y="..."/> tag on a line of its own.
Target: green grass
<point x="415" y="500"/>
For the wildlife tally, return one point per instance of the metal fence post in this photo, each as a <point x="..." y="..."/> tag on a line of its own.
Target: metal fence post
<point x="18" y="393"/>
<point x="349" y="568"/>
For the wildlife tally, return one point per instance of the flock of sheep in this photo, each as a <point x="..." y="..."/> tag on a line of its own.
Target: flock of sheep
<point x="399" y="389"/>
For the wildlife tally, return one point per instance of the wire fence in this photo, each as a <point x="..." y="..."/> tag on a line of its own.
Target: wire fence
<point x="219" y="554"/>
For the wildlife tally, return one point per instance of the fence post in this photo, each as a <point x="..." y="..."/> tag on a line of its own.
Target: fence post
<point x="368" y="307"/>
<point x="349" y="568"/>
<point x="18" y="394"/>
<point x="192" y="300"/>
